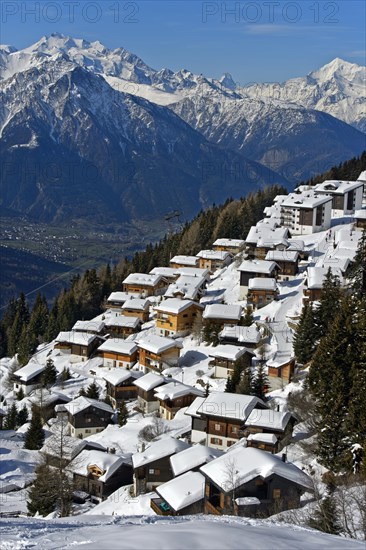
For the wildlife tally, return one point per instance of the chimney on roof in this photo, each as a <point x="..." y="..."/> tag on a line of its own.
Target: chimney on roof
<point x="284" y="457"/>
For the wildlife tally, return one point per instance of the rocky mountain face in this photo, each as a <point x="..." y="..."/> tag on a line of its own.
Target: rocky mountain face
<point x="93" y="133"/>
<point x="73" y="147"/>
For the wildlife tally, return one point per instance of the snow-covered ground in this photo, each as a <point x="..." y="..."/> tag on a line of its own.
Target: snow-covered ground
<point x="164" y="533"/>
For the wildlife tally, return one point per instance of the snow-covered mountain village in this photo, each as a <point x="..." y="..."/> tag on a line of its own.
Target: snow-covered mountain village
<point x="180" y="398"/>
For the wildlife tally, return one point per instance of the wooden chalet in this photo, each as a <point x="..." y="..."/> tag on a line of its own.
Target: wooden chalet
<point x="187" y="287"/>
<point x="137" y="307"/>
<point x="28" y="378"/>
<point x="183" y="495"/>
<point x="121" y="326"/>
<point x="152" y="465"/>
<point x="282" y="367"/>
<point x="116" y="300"/>
<point x="249" y="337"/>
<point x="222" y="314"/>
<point x="288" y="262"/>
<point x="224" y="415"/>
<point x="234" y="246"/>
<point x="79" y="345"/>
<point x="116" y="352"/>
<point x="250" y="269"/>
<point x="146" y="397"/>
<point x="174" y="396"/>
<point x="250" y="482"/>
<point x="261" y="291"/>
<point x="100" y="474"/>
<point x="314" y="281"/>
<point x="176" y="317"/>
<point x="360" y="218"/>
<point x="184" y="261"/>
<point x="265" y="236"/>
<point x="157" y="353"/>
<point x="213" y="259"/>
<point x="145" y="284"/>
<point x="225" y="357"/>
<point x="261" y="425"/>
<point x="87" y="416"/>
<point x="94" y="326"/>
<point x="120" y="385"/>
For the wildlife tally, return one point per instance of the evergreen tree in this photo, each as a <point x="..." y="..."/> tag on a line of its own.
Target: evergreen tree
<point x="34" y="437"/>
<point x="20" y="394"/>
<point x="82" y="392"/>
<point x="326" y="516"/>
<point x="93" y="391"/>
<point x="39" y="318"/>
<point x="306" y="335"/>
<point x="260" y="383"/>
<point x="245" y="386"/>
<point x="21" y="320"/>
<point x="122" y="414"/>
<point x="27" y="345"/>
<point x="42" y="494"/>
<point x="358" y="270"/>
<point x="22" y="416"/>
<point x="11" y="418"/>
<point x="230" y="386"/>
<point x="329" y="302"/>
<point x="248" y="318"/>
<point x="49" y="374"/>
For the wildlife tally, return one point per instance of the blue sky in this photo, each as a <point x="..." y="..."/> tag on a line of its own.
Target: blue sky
<point x="253" y="40"/>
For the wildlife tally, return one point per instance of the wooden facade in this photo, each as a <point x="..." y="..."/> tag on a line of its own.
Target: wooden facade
<point x="158" y="361"/>
<point x="118" y="359"/>
<point x="284" y="371"/>
<point x="153" y="474"/>
<point x="88" y="421"/>
<point x="100" y="490"/>
<point x="122" y="391"/>
<point x="181" y="323"/>
<point x="169" y="407"/>
<point x="145" y="290"/>
<point x="261" y="297"/>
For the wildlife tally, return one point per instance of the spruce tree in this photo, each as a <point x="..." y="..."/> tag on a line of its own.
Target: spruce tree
<point x="35" y="435"/>
<point x="260" y="382"/>
<point x="93" y="391"/>
<point x="42" y="494"/>
<point x="306" y="335"/>
<point x="358" y="271"/>
<point x="22" y="416"/>
<point x="245" y="386"/>
<point x="326" y="515"/>
<point x="329" y="302"/>
<point x="20" y="394"/>
<point x="122" y="414"/>
<point x="248" y="319"/>
<point x="49" y="374"/>
<point x="10" y="422"/>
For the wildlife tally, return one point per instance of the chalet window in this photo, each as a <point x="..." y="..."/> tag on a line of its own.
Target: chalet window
<point x="216" y="440"/>
<point x="154" y="471"/>
<point x="259" y="481"/>
<point x="276" y="493"/>
<point x="185" y="315"/>
<point x="88" y="431"/>
<point x="88" y="419"/>
<point x="217" y="427"/>
<point x="234" y="429"/>
<point x="229" y="443"/>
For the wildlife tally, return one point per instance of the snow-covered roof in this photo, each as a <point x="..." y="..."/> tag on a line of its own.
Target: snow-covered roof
<point x="183" y="491"/>
<point x="247" y="501"/>
<point x="282" y="255"/>
<point x="188" y="287"/>
<point x="121" y="297"/>
<point x="106" y="462"/>
<point x="362" y="176"/>
<point x="175" y="305"/>
<point x="117" y="376"/>
<point x="257" y="266"/>
<point x="78" y="338"/>
<point x="235" y="243"/>
<point x="335" y="261"/>
<point x="31" y="370"/>
<point x="268" y="418"/>
<point x="185" y="260"/>
<point x="267" y="233"/>
<point x="227" y="351"/>
<point x="149" y="381"/>
<point x="71" y="446"/>
<point x="263" y="438"/>
<point x="249" y="335"/>
<point x="251" y="463"/>
<point x="193" y="457"/>
<point x="218" y="255"/>
<point x="360" y="214"/>
<point x="158" y="344"/>
<point x="296" y="244"/>
<point x="194" y="272"/>
<point x="222" y="311"/>
<point x="316" y="276"/>
<point x="307" y="199"/>
<point x="337" y="186"/>
<point x="89" y="326"/>
<point x="137" y="304"/>
<point x="176" y="389"/>
<point x="81" y="403"/>
<point x="157" y="450"/>
<point x="123" y="321"/>
<point x="229" y="405"/>
<point x="192" y="410"/>
<point x="165" y="271"/>
<point x="118" y="345"/>
<point x="262" y="283"/>
<point x="144" y="279"/>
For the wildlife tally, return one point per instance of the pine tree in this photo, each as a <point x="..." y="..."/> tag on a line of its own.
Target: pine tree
<point x="11" y="418"/>
<point x="35" y="435"/>
<point x="358" y="271"/>
<point x="248" y="318"/>
<point x="122" y="414"/>
<point x="245" y="385"/>
<point x="20" y="394"/>
<point x="326" y="515"/>
<point x="49" y="374"/>
<point x="22" y="416"/>
<point x="230" y="386"/>
<point x="21" y="320"/>
<point x="42" y="494"/>
<point x="306" y="335"/>
<point x="93" y="391"/>
<point x="27" y="345"/>
<point x="39" y="318"/>
<point x="260" y="383"/>
<point x="329" y="302"/>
